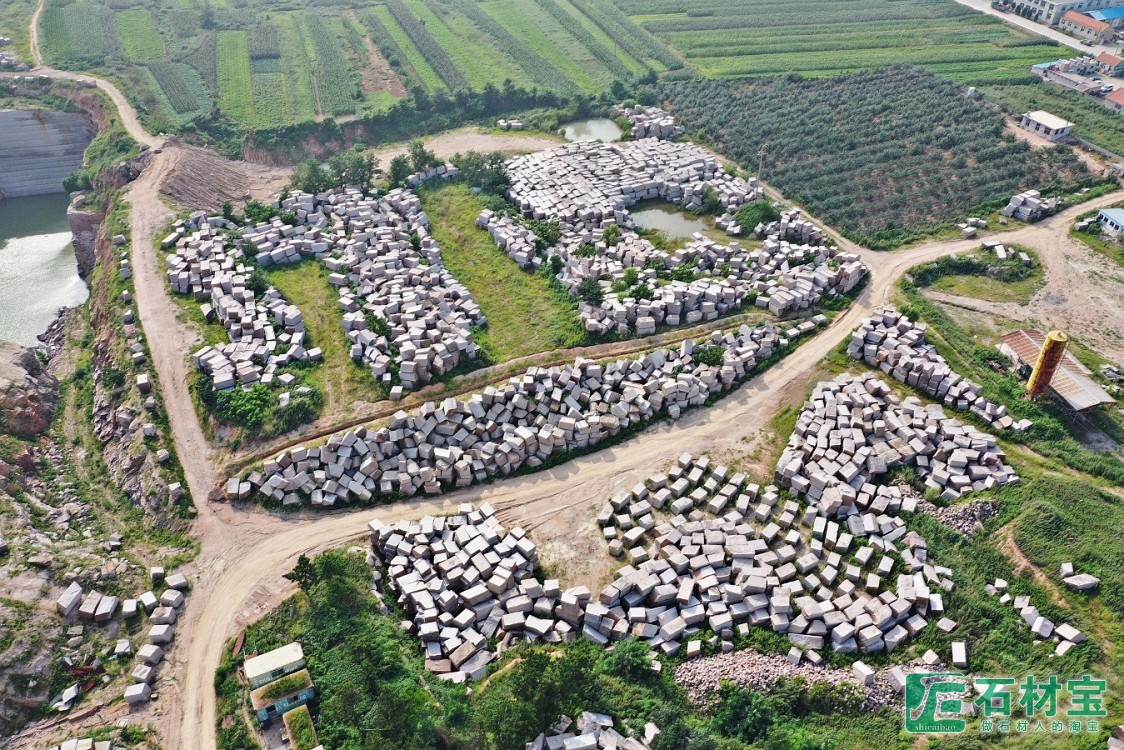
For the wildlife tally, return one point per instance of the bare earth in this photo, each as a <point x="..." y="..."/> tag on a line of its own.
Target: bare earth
<point x="237" y="575"/>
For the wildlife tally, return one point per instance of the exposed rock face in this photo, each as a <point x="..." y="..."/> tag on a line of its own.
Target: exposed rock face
<point x="28" y="393"/>
<point x="84" y="225"/>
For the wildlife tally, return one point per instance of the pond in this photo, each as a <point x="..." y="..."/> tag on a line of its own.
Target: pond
<point x="669" y="219"/>
<point x="38" y="271"/>
<point x="592" y="129"/>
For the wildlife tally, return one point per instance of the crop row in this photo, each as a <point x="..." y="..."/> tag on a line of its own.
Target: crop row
<point x="603" y="54"/>
<point x="139" y="36"/>
<point x="264" y="41"/>
<point x="52" y="28"/>
<point x="271" y="100"/>
<point x="412" y="61"/>
<point x="524" y="20"/>
<point x="635" y="40"/>
<point x="540" y="69"/>
<point x="297" y="69"/>
<point x="91" y="32"/>
<point x="336" y="80"/>
<point x="181" y="85"/>
<point x="433" y="52"/>
<point x="390" y="48"/>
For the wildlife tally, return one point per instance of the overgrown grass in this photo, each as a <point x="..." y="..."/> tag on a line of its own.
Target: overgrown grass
<point x="340" y="378"/>
<point x="526" y="314"/>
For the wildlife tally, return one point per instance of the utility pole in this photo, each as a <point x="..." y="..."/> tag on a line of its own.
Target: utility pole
<point x="761" y="160"/>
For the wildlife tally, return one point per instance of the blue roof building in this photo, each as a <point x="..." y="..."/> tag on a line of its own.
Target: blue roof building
<point x="1111" y="16"/>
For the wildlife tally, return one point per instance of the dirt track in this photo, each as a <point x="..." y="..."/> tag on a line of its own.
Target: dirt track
<point x="237" y="575"/>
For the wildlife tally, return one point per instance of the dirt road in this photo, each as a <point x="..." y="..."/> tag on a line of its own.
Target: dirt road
<point x="463" y="140"/>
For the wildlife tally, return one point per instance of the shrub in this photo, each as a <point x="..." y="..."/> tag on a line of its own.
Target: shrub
<point x="590" y="291"/>
<point x="709" y="355"/>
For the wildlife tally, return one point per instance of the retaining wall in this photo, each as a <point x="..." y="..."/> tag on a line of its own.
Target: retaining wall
<point x="38" y="148"/>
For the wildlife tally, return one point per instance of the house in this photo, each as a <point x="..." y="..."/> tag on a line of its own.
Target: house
<point x="1114" y="17"/>
<point x="273" y="665"/>
<point x="1079" y="24"/>
<point x="276" y="698"/>
<point x="1072" y="382"/>
<point x="1046" y="125"/>
<point x="1115" y="100"/>
<point x="1111" y="220"/>
<point x="1048" y="12"/>
<point x="1110" y="64"/>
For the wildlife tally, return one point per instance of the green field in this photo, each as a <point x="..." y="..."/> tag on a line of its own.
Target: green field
<point x="398" y="45"/>
<point x="236" y="91"/>
<point x="138" y="35"/>
<point x="181" y="86"/>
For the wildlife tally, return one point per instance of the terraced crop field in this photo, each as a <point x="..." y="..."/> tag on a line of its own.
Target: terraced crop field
<point x="181" y="86"/>
<point x="236" y="90"/>
<point x="722" y="38"/>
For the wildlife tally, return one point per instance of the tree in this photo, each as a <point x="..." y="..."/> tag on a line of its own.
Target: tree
<point x="420" y="158"/>
<point x="353" y="168"/>
<point x="303" y="573"/>
<point x="590" y="291"/>
<point x="743" y="714"/>
<point x="310" y="177"/>
<point x="399" y="170"/>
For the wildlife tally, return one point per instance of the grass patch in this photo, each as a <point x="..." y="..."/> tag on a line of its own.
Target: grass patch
<point x="526" y="314"/>
<point x="982" y="275"/>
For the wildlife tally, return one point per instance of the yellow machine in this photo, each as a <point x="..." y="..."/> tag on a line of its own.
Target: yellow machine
<point x="1047" y="364"/>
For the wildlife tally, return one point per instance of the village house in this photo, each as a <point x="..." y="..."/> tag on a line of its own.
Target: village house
<point x="273" y="665"/>
<point x="1110" y="64"/>
<point x="1114" y="17"/>
<point x="1081" y="25"/>
<point x="1052" y="11"/>
<point x="1115" y="100"/>
<point x="1046" y="125"/>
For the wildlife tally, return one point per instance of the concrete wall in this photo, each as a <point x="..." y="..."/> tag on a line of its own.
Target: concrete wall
<point x="38" y="148"/>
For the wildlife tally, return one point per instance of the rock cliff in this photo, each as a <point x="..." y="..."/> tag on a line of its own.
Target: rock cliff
<point x="28" y="393"/>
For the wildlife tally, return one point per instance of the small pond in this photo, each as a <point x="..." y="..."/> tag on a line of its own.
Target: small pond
<point x="592" y="129"/>
<point x="669" y="219"/>
<point x="38" y="271"/>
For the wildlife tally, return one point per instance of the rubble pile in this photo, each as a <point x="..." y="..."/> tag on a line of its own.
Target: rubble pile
<point x="965" y="518"/>
<point x="1027" y="206"/>
<point x="886" y="432"/>
<point x="587" y="183"/>
<point x="702" y="678"/>
<point x="266" y="332"/>
<point x="896" y="345"/>
<point x="764" y="562"/>
<point x="650" y="122"/>
<point x="1064" y="635"/>
<point x="465" y="579"/>
<point x="853" y="430"/>
<point x="533" y="417"/>
<point x="8" y="60"/>
<point x="591" y="732"/>
<point x="793" y="228"/>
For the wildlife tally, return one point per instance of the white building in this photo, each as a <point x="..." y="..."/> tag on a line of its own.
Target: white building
<point x="1051" y="11"/>
<point x="273" y="665"/>
<point x="1046" y="125"/>
<point x="1112" y="220"/>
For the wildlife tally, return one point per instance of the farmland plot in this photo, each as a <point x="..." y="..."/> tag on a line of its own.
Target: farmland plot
<point x="298" y="73"/>
<point x="421" y="39"/>
<point x="479" y="60"/>
<point x="80" y="34"/>
<point x="236" y="93"/>
<point x="541" y="70"/>
<point x="392" y="40"/>
<point x="819" y="38"/>
<point x="887" y="156"/>
<point x="181" y="86"/>
<point x="570" y="23"/>
<point x="138" y="34"/>
<point x="337" y="83"/>
<point x="542" y="32"/>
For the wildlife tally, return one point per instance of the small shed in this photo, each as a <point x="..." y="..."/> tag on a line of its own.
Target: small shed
<point x="1041" y="122"/>
<point x="274" y="664"/>
<point x="1111" y="220"/>
<point x="1072" y="382"/>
